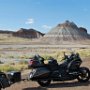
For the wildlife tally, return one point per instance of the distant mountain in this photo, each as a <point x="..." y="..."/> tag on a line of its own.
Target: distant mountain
<point x="67" y="32"/>
<point x="6" y="32"/>
<point x="28" y="33"/>
<point x="24" y="33"/>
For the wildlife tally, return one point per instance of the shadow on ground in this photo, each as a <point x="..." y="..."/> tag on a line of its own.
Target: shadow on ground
<point x="68" y="84"/>
<point x="60" y="85"/>
<point x="35" y="88"/>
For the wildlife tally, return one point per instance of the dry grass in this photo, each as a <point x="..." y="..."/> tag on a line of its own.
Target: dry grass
<point x="14" y="66"/>
<point x="5" y="38"/>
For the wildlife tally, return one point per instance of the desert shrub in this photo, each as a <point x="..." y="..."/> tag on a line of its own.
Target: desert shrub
<point x="46" y="57"/>
<point x="16" y="67"/>
<point x="84" y="52"/>
<point x="21" y="67"/>
<point x="23" y="62"/>
<point x="11" y="56"/>
<point x="24" y="57"/>
<point x="7" y="68"/>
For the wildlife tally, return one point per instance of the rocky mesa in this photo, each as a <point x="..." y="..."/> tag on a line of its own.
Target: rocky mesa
<point x="66" y="33"/>
<point x="23" y="33"/>
<point x="28" y="33"/>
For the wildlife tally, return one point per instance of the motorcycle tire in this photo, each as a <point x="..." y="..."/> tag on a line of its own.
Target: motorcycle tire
<point x="84" y="74"/>
<point x="44" y="83"/>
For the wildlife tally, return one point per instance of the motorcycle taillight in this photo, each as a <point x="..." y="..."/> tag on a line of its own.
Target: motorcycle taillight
<point x="31" y="62"/>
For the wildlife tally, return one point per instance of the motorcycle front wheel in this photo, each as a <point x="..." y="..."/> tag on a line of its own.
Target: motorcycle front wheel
<point x="44" y="83"/>
<point x="84" y="74"/>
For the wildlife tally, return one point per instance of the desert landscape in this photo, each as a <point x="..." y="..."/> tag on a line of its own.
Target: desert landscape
<point x="17" y="49"/>
<point x="64" y="85"/>
<point x="56" y="30"/>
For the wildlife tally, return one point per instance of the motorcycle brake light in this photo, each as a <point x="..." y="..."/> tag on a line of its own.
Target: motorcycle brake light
<point x="31" y="62"/>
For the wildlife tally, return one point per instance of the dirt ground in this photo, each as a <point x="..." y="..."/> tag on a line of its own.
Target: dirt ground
<point x="71" y="85"/>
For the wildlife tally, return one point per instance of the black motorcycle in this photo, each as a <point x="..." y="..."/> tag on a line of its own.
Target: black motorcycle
<point x="68" y="70"/>
<point x="9" y="78"/>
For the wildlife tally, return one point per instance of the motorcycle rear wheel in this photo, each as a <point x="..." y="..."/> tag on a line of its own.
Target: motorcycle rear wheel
<point x="84" y="74"/>
<point x="44" y="83"/>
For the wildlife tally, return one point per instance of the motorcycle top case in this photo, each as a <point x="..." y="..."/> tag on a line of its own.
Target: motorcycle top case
<point x="39" y="72"/>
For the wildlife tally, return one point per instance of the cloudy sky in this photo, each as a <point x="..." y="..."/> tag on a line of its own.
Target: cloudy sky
<point x="42" y="15"/>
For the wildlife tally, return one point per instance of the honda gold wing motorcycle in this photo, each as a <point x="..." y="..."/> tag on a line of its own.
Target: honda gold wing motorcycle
<point x="70" y="69"/>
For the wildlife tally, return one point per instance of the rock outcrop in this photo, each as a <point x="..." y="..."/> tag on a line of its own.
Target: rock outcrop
<point x="6" y="32"/>
<point x="23" y="33"/>
<point x="28" y="33"/>
<point x="67" y="32"/>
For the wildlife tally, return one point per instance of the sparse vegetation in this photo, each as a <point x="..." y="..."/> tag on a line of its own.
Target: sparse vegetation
<point x="13" y="67"/>
<point x="56" y="53"/>
<point x="24" y="53"/>
<point x="11" y="39"/>
<point x="84" y="52"/>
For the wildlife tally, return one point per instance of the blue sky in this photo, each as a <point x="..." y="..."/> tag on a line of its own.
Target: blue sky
<point x="42" y="15"/>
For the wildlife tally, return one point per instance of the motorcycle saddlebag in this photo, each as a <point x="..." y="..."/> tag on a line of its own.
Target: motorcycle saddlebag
<point x="14" y="76"/>
<point x="39" y="73"/>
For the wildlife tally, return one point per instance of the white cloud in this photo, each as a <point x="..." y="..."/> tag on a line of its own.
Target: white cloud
<point x="46" y="27"/>
<point x="30" y="21"/>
